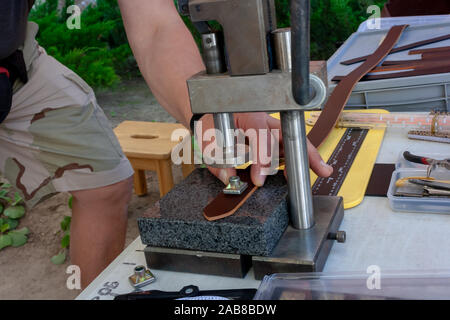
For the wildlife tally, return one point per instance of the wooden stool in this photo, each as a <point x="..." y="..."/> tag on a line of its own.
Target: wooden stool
<point x="148" y="146"/>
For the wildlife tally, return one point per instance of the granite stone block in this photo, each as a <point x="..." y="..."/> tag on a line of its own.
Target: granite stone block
<point x="176" y="221"/>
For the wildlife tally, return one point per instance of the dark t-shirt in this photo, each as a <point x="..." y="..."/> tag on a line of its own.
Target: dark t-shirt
<point x="13" y="24"/>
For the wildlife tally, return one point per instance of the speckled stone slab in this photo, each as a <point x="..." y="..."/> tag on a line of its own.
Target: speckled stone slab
<point x="176" y="221"/>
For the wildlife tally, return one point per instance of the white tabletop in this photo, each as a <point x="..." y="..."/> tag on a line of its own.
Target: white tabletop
<point x="376" y="235"/>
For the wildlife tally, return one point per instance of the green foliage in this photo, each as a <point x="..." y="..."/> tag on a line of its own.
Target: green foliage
<point x="60" y="258"/>
<point x="98" y="51"/>
<point x="100" y="54"/>
<point x="9" y="218"/>
<point x="5" y="241"/>
<point x="19" y="237"/>
<point x="16" y="212"/>
<point x="332" y="22"/>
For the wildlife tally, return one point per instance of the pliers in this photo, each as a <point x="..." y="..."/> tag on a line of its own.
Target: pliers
<point x="431" y="163"/>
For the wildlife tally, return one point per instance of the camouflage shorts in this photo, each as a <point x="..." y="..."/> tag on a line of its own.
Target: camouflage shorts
<point x="56" y="138"/>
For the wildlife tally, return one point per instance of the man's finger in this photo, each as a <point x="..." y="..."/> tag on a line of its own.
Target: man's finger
<point x="223" y="174"/>
<point x="316" y="163"/>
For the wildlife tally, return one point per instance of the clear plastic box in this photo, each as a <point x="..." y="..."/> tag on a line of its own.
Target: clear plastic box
<point x="419" y="93"/>
<point x="375" y="285"/>
<point x="405" y="168"/>
<point x="387" y="23"/>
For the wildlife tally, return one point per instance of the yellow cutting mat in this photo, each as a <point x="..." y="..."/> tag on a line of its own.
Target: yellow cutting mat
<point x="354" y="187"/>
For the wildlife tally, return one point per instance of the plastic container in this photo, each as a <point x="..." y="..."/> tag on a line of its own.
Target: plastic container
<point x="374" y="285"/>
<point x="420" y="93"/>
<point x="405" y="168"/>
<point x="387" y="23"/>
<point x="411" y="204"/>
<point x="441" y="174"/>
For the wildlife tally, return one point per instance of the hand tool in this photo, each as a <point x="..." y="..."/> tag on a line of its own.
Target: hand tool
<point x="435" y="184"/>
<point x="423" y="192"/>
<point x="431" y="163"/>
<point x="189" y="292"/>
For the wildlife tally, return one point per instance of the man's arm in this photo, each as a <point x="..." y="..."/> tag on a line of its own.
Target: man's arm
<point x="165" y="51"/>
<point x="167" y="56"/>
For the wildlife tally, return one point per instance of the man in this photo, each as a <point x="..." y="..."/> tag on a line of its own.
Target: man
<point x="56" y="138"/>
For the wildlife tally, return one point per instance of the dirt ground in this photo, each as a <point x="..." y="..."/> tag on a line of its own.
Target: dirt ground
<point x="27" y="272"/>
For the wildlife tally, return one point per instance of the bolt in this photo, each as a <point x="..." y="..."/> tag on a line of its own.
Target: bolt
<point x="339" y="236"/>
<point x="235" y="181"/>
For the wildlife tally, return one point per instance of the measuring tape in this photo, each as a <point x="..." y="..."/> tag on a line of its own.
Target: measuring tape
<point x="341" y="160"/>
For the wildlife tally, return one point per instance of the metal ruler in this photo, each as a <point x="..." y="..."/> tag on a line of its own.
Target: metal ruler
<point x="341" y="160"/>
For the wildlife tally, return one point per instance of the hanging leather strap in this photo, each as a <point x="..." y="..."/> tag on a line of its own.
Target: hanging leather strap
<point x="339" y="97"/>
<point x="402" y="48"/>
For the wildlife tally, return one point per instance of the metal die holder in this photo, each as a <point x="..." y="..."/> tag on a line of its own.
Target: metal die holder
<point x="271" y="92"/>
<point x="235" y="186"/>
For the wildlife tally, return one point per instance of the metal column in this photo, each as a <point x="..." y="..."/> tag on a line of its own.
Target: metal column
<point x="292" y="122"/>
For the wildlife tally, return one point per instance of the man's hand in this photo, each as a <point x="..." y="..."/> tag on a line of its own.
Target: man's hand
<point x="258" y="121"/>
<point x="167" y="56"/>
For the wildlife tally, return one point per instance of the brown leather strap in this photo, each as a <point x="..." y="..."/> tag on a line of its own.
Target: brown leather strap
<point x="414" y="73"/>
<point x="338" y="99"/>
<point x="420" y="64"/>
<point x="402" y="48"/>
<point x="380" y="180"/>
<point x="225" y="205"/>
<point x="400" y="62"/>
<point x="435" y="55"/>
<point x="438" y="49"/>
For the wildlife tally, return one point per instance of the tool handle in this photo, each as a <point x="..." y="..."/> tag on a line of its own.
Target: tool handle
<point x="416" y="159"/>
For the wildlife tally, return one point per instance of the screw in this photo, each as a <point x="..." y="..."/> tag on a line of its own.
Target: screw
<point x="339" y="236"/>
<point x="235" y="182"/>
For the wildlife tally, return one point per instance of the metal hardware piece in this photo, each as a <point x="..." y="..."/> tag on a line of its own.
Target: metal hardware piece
<point x="432" y="184"/>
<point x="304" y="250"/>
<point x="282" y="44"/>
<point x="339" y="236"/>
<point x="235" y="186"/>
<point x="253" y="93"/>
<point x="212" y="53"/>
<point x="436" y="192"/>
<point x="141" y="277"/>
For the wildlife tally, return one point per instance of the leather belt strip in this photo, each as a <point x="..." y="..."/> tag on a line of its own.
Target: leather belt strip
<point x="435" y="55"/>
<point x="416" y="72"/>
<point x="342" y="159"/>
<point x="380" y="180"/>
<point x="434" y="61"/>
<point x="412" y="65"/>
<point x="400" y="62"/>
<point x="225" y="205"/>
<point x="339" y="97"/>
<point x="402" y="48"/>
<point x="430" y="50"/>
